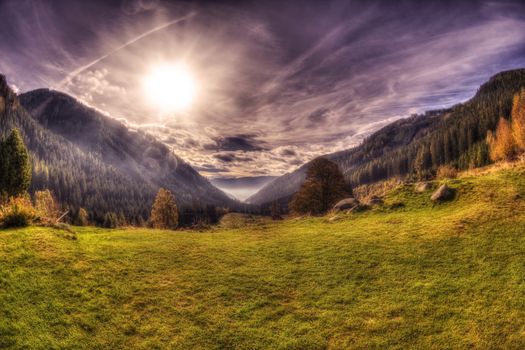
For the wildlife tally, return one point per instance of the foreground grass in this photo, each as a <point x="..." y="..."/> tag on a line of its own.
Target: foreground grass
<point x="420" y="276"/>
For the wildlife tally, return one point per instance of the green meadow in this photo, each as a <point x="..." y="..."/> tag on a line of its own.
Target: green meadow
<point x="409" y="274"/>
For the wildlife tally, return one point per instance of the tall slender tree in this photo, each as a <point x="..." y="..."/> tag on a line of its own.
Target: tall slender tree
<point x="502" y="144"/>
<point x="518" y="119"/>
<point x="15" y="165"/>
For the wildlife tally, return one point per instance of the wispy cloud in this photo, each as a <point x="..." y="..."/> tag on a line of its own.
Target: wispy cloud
<point x="278" y="82"/>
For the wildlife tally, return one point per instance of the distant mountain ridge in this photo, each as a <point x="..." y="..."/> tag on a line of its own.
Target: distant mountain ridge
<point x="88" y="159"/>
<point x="454" y="136"/>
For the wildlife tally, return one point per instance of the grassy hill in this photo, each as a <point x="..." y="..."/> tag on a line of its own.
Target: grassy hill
<point x="410" y="274"/>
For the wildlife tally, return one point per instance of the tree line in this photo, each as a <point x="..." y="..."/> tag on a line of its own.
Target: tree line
<point x="417" y="147"/>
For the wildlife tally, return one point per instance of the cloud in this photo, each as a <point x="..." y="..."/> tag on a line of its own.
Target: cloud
<point x="286" y="152"/>
<point x="91" y="85"/>
<point x="236" y="143"/>
<point x="231" y="157"/>
<point x="279" y="83"/>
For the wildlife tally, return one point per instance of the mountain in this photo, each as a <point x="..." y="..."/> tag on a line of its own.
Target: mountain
<point x="421" y="143"/>
<point x="93" y="161"/>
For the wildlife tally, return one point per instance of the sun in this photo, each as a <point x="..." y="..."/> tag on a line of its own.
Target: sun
<point x="170" y="87"/>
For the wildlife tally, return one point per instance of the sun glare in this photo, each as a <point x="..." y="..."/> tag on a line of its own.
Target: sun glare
<point x="170" y="87"/>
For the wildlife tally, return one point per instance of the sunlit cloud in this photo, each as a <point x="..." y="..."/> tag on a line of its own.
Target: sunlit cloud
<point x="276" y="83"/>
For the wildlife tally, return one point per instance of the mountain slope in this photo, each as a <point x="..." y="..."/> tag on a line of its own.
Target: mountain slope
<point x="135" y="153"/>
<point x="455" y="136"/>
<point x="90" y="167"/>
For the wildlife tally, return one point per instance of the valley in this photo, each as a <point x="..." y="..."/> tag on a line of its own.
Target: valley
<point x="260" y="175"/>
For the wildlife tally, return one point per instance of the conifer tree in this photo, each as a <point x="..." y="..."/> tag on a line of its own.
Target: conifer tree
<point x="164" y="214"/>
<point x="423" y="162"/>
<point x="15" y="166"/>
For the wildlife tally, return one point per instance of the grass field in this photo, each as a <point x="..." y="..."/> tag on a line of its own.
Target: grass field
<point x="449" y="276"/>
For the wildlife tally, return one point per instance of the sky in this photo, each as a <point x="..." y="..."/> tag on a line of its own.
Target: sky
<point x="276" y="83"/>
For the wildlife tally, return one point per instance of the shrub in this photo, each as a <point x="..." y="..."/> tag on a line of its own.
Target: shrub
<point x="446" y="172"/>
<point x="17" y="212"/>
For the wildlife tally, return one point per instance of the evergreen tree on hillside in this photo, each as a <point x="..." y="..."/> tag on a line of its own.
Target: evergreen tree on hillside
<point x="323" y="187"/>
<point x="15" y="165"/>
<point x="164" y="214"/>
<point x="423" y="163"/>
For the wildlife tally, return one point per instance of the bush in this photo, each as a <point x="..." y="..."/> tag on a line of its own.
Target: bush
<point x="17" y="212"/>
<point x="446" y="172"/>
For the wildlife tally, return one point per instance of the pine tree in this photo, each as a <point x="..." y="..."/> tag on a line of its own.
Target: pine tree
<point x="15" y="172"/>
<point x="275" y="210"/>
<point x="164" y="214"/>
<point x="110" y="220"/>
<point x="423" y="162"/>
<point x="3" y="168"/>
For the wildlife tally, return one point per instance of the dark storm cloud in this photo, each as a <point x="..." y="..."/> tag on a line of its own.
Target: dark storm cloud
<point x="318" y="116"/>
<point x="231" y="157"/>
<point x="236" y="143"/>
<point x="287" y="152"/>
<point x="283" y="80"/>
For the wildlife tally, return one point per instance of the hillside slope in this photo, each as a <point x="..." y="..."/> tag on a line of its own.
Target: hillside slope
<point x="98" y="165"/>
<point x="454" y="136"/>
<point x="135" y="153"/>
<point x="420" y="276"/>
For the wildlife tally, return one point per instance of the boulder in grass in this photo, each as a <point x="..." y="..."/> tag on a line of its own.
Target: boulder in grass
<point x="443" y="193"/>
<point x="422" y="187"/>
<point x="345" y="204"/>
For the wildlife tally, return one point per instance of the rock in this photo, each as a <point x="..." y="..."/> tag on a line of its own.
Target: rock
<point x="347" y="203"/>
<point x="375" y="200"/>
<point x="443" y="193"/>
<point x="422" y="187"/>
